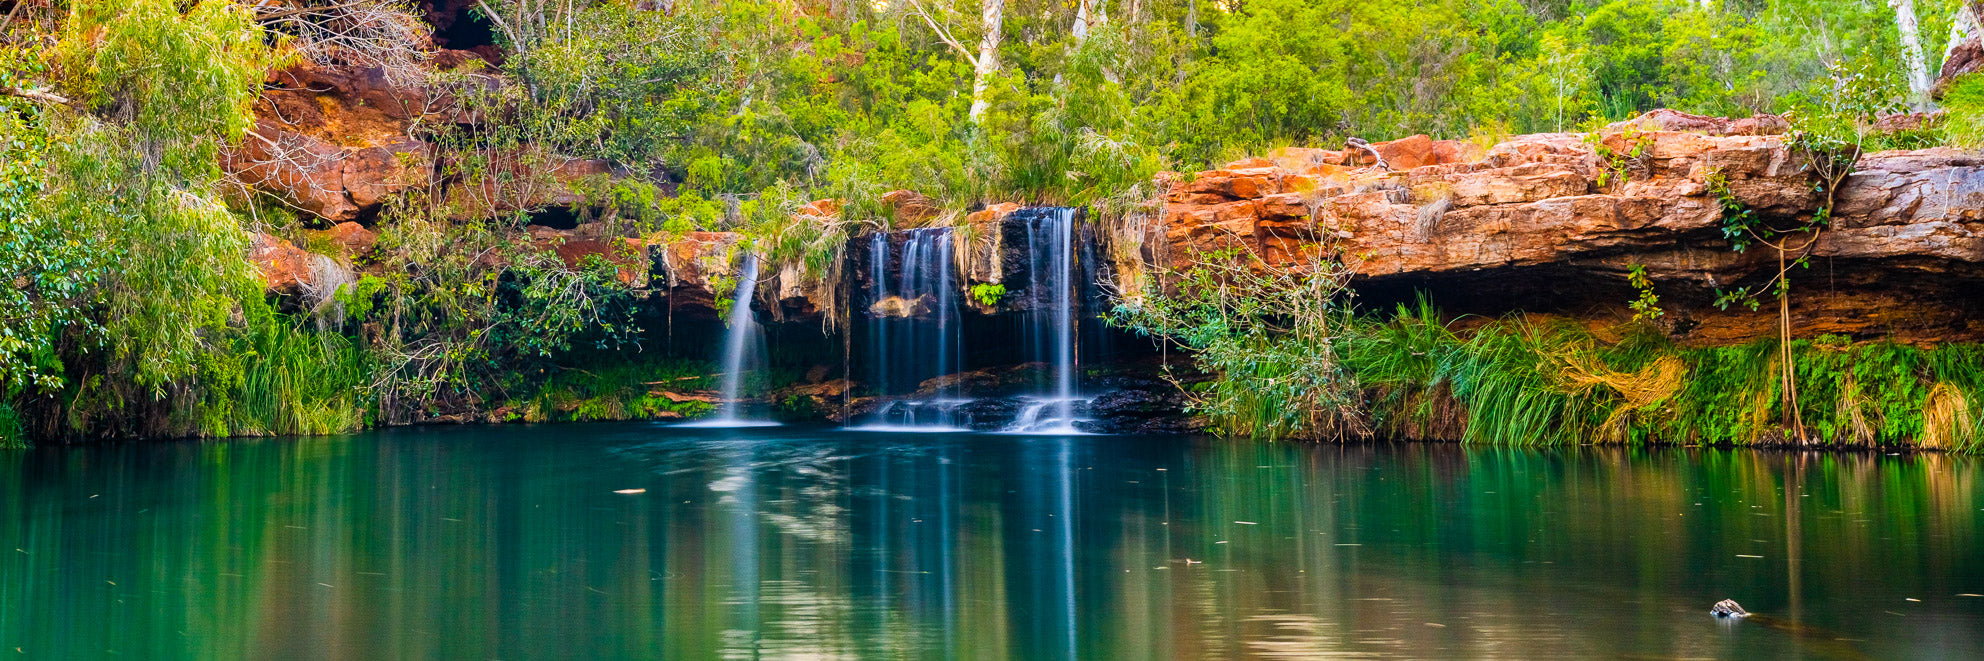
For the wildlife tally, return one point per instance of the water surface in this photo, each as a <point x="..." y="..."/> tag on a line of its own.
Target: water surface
<point x="514" y="543"/>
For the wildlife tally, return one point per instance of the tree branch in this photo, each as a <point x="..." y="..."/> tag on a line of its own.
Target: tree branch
<point x="34" y="95"/>
<point x="498" y="20"/>
<point x="301" y="10"/>
<point x="941" y="33"/>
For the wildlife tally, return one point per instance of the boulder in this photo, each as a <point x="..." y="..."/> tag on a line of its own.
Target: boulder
<point x="351" y="240"/>
<point x="910" y="208"/>
<point x="284" y="268"/>
<point x="1401" y="154"/>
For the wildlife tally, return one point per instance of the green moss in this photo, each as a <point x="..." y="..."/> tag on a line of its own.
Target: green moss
<point x="607" y="389"/>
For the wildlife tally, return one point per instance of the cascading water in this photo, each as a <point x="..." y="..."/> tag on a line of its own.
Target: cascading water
<point x="914" y="332"/>
<point x="1050" y="293"/>
<point x="742" y="350"/>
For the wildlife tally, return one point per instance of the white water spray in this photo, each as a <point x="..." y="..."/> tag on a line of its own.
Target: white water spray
<point x="1050" y="246"/>
<point x="743" y="343"/>
<point x="924" y="327"/>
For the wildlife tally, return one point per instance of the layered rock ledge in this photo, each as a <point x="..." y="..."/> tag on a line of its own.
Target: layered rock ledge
<point x="1526" y="224"/>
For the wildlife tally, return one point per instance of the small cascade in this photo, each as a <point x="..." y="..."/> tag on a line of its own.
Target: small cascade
<point x="743" y="351"/>
<point x="1050" y="252"/>
<point x="913" y="326"/>
<point x="920" y="415"/>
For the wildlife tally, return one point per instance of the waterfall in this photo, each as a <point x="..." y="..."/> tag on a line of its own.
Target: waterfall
<point x="1050" y="295"/>
<point x="743" y="349"/>
<point x="878" y="277"/>
<point x="914" y="332"/>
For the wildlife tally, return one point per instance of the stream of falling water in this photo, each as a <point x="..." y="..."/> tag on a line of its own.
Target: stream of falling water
<point x="915" y="334"/>
<point x="743" y="349"/>
<point x="921" y="339"/>
<point x="1050" y="251"/>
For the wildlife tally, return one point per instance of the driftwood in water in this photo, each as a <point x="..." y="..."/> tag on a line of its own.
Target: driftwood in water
<point x="1830" y="643"/>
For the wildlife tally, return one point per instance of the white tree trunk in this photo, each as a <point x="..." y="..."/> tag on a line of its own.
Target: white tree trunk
<point x="1911" y="49"/>
<point x="993" y="15"/>
<point x="1088" y="14"/>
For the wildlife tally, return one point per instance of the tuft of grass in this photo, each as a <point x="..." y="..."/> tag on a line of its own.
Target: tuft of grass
<point x="293" y="382"/>
<point x="1963" y="112"/>
<point x="13" y="435"/>
<point x="1522" y="381"/>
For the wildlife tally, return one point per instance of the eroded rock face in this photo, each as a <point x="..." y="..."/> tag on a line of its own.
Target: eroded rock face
<point x="337" y="141"/>
<point x="1966" y="56"/>
<point x="1531" y="213"/>
<point x="334" y="141"/>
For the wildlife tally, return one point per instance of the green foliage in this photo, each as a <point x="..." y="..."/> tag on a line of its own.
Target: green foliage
<point x="13" y="435"/>
<point x="1740" y="224"/>
<point x="47" y="267"/>
<point x="1618" y="165"/>
<point x="988" y="294"/>
<point x="614" y="388"/>
<point x="129" y="295"/>
<point x="134" y="179"/>
<point x="1963" y="112"/>
<point x="180" y="84"/>
<point x="1267" y="334"/>
<point x="465" y="304"/>
<point x="1646" y="307"/>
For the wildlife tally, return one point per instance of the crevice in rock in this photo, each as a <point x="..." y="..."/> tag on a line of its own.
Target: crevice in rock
<point x="458" y="28"/>
<point x="556" y="217"/>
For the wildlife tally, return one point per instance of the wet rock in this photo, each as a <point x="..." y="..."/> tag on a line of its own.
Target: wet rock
<point x="991" y="414"/>
<point x="1151" y="408"/>
<point x="1728" y="608"/>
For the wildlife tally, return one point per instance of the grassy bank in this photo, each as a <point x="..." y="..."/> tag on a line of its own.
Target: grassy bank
<point x="1524" y="381"/>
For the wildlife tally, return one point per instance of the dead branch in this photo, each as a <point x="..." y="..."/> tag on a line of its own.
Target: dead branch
<point x="34" y="95"/>
<point x="368" y="33"/>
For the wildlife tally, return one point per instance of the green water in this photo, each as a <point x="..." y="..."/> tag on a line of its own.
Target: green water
<point x="511" y="543"/>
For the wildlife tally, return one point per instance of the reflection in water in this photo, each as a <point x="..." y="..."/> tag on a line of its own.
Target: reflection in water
<point x="511" y="542"/>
